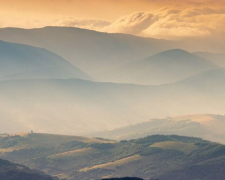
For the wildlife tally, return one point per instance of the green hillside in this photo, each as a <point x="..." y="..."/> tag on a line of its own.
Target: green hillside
<point x="82" y="158"/>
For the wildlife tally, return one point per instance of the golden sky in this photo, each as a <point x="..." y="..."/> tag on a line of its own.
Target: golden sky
<point x="97" y="9"/>
<point x="139" y="17"/>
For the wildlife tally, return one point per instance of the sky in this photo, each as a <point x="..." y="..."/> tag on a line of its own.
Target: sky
<point x="165" y="19"/>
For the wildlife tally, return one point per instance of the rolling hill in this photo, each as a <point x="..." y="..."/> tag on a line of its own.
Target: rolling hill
<point x="157" y="157"/>
<point x="26" y="62"/>
<point x="94" y="52"/>
<point x="165" y="67"/>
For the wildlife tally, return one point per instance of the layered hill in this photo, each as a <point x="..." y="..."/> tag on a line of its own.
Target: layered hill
<point x="165" y="67"/>
<point x="153" y="157"/>
<point x="94" y="52"/>
<point x="19" y="61"/>
<point x="35" y="104"/>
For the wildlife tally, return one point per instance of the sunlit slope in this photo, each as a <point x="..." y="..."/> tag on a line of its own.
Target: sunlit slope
<point x="79" y="158"/>
<point x="26" y="62"/>
<point x="32" y="140"/>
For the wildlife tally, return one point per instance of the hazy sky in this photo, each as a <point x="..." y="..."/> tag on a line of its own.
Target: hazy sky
<point x="154" y="18"/>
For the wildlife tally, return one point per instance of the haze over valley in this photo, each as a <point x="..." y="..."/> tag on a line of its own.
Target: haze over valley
<point x="53" y="95"/>
<point x="110" y="89"/>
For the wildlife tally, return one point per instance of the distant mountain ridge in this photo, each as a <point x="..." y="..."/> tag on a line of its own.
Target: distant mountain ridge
<point x="119" y="58"/>
<point x="19" y="61"/>
<point x="94" y="52"/>
<point x="162" y="68"/>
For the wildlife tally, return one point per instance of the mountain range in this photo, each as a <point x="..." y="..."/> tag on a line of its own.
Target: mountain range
<point x="120" y="89"/>
<point x="43" y="90"/>
<point x="91" y="51"/>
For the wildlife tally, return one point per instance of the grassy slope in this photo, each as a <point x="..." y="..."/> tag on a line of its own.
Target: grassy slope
<point x="84" y="158"/>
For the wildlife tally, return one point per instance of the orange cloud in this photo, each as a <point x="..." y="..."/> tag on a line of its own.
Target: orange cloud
<point x="171" y="23"/>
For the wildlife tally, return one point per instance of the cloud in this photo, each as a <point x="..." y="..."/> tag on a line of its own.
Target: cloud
<point x="132" y="24"/>
<point x="171" y="23"/>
